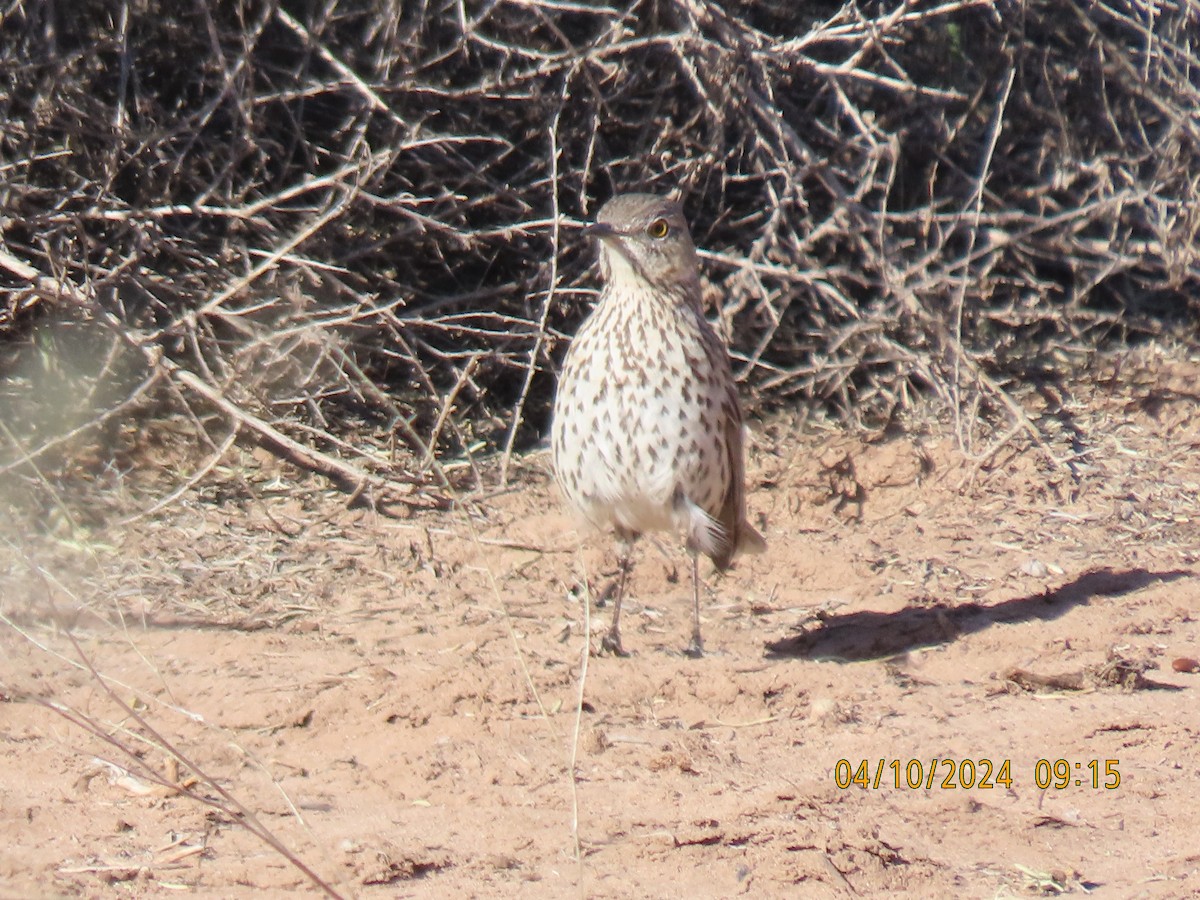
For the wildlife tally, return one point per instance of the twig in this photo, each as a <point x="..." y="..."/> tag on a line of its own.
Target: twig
<point x="348" y="476"/>
<point x="964" y="267"/>
<point x="365" y="91"/>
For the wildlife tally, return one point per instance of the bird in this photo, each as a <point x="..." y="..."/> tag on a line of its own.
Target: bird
<point x="647" y="430"/>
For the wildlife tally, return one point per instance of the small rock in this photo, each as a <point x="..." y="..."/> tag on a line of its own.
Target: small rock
<point x="1034" y="568"/>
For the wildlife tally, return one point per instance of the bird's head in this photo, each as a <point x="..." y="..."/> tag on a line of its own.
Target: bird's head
<point x="646" y="237"/>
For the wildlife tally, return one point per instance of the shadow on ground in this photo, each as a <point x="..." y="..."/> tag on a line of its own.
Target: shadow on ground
<point x="861" y="636"/>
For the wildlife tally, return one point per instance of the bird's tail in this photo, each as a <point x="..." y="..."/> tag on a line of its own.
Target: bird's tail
<point x="749" y="540"/>
<point x="709" y="536"/>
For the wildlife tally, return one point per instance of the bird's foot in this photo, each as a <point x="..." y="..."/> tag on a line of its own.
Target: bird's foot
<point x="695" y="650"/>
<point x="611" y="644"/>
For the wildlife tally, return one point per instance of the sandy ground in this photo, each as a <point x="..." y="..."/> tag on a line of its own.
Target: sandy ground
<point x="402" y="704"/>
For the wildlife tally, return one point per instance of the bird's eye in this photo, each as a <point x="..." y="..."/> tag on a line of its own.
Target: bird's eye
<point x="658" y="229"/>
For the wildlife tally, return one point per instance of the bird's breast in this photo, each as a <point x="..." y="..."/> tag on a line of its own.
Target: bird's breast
<point x="638" y="421"/>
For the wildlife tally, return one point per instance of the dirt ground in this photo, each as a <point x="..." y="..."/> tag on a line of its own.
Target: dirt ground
<point x="402" y="702"/>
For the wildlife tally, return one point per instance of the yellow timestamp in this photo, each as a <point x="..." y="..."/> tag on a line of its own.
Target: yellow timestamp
<point x="972" y="774"/>
<point x="1062" y="773"/>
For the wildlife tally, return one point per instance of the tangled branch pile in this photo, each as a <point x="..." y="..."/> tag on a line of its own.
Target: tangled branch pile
<point x="323" y="222"/>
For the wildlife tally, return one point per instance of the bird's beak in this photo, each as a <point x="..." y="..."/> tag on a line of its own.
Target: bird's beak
<point x="600" y="231"/>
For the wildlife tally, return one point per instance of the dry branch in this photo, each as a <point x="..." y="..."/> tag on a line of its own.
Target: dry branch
<point x="351" y="477"/>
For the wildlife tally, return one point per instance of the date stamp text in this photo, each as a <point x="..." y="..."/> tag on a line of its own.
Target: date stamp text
<point x="973" y="774"/>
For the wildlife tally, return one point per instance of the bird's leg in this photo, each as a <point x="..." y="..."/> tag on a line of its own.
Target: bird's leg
<point x="696" y="649"/>
<point x="612" y="641"/>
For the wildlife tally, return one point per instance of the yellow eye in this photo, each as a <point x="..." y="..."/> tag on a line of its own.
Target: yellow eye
<point x="658" y="229"/>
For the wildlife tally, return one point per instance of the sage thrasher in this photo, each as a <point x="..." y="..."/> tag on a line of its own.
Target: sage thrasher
<point x="647" y="432"/>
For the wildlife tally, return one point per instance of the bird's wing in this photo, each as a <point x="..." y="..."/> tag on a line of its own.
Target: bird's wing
<point x="740" y="535"/>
